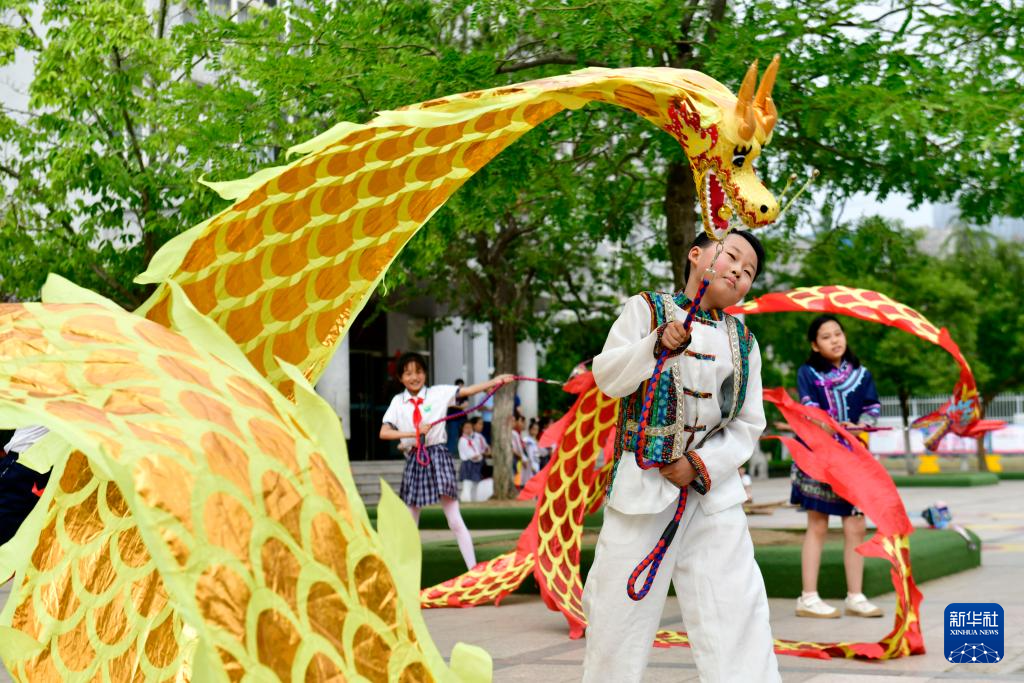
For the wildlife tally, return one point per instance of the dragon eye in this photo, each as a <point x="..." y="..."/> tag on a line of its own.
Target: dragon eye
<point x="739" y="156"/>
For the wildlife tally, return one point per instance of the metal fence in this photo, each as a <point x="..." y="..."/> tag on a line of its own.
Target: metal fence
<point x="1003" y="407"/>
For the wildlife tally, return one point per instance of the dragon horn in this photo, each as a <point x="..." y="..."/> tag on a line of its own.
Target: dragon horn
<point x="745" y="102"/>
<point x="764" y="107"/>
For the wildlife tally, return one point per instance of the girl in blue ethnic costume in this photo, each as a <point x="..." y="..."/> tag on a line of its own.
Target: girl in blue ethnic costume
<point x="834" y="380"/>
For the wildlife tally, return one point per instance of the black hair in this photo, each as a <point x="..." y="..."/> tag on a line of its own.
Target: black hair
<point x="704" y="240"/>
<point x="459" y="382"/>
<point x="410" y="357"/>
<point x="815" y="359"/>
<point x="475" y="420"/>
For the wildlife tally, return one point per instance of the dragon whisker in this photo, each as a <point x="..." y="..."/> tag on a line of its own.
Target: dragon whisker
<point x="789" y="184"/>
<point x="803" y="188"/>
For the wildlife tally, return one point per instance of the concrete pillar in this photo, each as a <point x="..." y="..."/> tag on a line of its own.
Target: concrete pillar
<point x="448" y="361"/>
<point x="526" y="359"/>
<point x="333" y="386"/>
<point x="398" y="332"/>
<point x="480" y="343"/>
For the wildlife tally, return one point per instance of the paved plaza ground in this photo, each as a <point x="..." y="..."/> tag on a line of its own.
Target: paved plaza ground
<point x="530" y="643"/>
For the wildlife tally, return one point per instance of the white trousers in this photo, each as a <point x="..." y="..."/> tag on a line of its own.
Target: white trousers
<point x="719" y="587"/>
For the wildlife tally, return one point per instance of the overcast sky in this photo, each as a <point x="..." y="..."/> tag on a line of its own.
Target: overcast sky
<point x="895" y="206"/>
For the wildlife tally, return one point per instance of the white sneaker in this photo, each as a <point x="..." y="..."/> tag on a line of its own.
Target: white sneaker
<point x="811" y="605"/>
<point x="857" y="605"/>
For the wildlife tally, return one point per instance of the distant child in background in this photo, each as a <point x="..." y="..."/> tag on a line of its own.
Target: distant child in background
<point x="429" y="473"/>
<point x="834" y="380"/>
<point x="472" y="456"/>
<point x="454" y="427"/>
<point x="519" y="448"/>
<point x="538" y="456"/>
<point x="20" y="486"/>
<point x="481" y="441"/>
<point x="532" y="447"/>
<point x="488" y="415"/>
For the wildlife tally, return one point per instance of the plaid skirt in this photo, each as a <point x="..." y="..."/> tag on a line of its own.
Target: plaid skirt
<point x="424" y="485"/>
<point x="471" y="471"/>
<point x="811" y="494"/>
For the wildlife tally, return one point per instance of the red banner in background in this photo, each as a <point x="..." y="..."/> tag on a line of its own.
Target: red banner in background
<point x="842" y="461"/>
<point x="961" y="415"/>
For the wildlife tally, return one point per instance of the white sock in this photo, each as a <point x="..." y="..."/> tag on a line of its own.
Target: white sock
<point x="458" y="527"/>
<point x="807" y="596"/>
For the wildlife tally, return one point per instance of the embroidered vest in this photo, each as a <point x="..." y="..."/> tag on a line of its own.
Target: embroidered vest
<point x="668" y="438"/>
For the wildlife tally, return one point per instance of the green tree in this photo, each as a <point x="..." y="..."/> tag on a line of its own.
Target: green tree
<point x="968" y="290"/>
<point x="993" y="269"/>
<point x="99" y="171"/>
<point x="130" y="107"/>
<point x="517" y="245"/>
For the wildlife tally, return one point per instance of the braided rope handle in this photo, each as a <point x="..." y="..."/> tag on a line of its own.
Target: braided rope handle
<point x="652" y="562"/>
<point x="652" y="384"/>
<point x="423" y="458"/>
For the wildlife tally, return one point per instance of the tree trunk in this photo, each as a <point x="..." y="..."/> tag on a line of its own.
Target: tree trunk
<point x="908" y="453"/>
<point x="505" y="360"/>
<point x="681" y="218"/>
<point x="680" y="192"/>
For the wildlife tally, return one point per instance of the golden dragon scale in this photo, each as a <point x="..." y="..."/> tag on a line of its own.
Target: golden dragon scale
<point x="565" y="498"/>
<point x="200" y="529"/>
<point x="485" y="583"/>
<point x="287" y="267"/>
<point x="550" y="545"/>
<point x="283" y="271"/>
<point x="570" y="491"/>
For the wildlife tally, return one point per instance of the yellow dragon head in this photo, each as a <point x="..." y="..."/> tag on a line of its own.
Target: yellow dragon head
<point x="722" y="135"/>
<point x="288" y="266"/>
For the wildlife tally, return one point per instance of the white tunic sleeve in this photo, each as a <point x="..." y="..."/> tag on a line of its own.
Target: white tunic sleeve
<point x="627" y="359"/>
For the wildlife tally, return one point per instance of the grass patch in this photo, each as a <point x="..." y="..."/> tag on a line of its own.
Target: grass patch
<point x="950" y="479"/>
<point x="1010" y="475"/>
<point x="933" y="554"/>
<point x="487" y="516"/>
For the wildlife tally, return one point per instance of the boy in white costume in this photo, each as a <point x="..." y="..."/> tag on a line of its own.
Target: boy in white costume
<point x="705" y="420"/>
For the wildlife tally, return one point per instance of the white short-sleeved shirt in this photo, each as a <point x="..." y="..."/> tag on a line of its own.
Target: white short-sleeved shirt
<point x="481" y="442"/>
<point x="469" y="449"/>
<point x="435" y="404"/>
<point x="24" y="437"/>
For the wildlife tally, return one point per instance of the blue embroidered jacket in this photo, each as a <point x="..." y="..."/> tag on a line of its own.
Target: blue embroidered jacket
<point x="665" y="405"/>
<point x="846" y="393"/>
